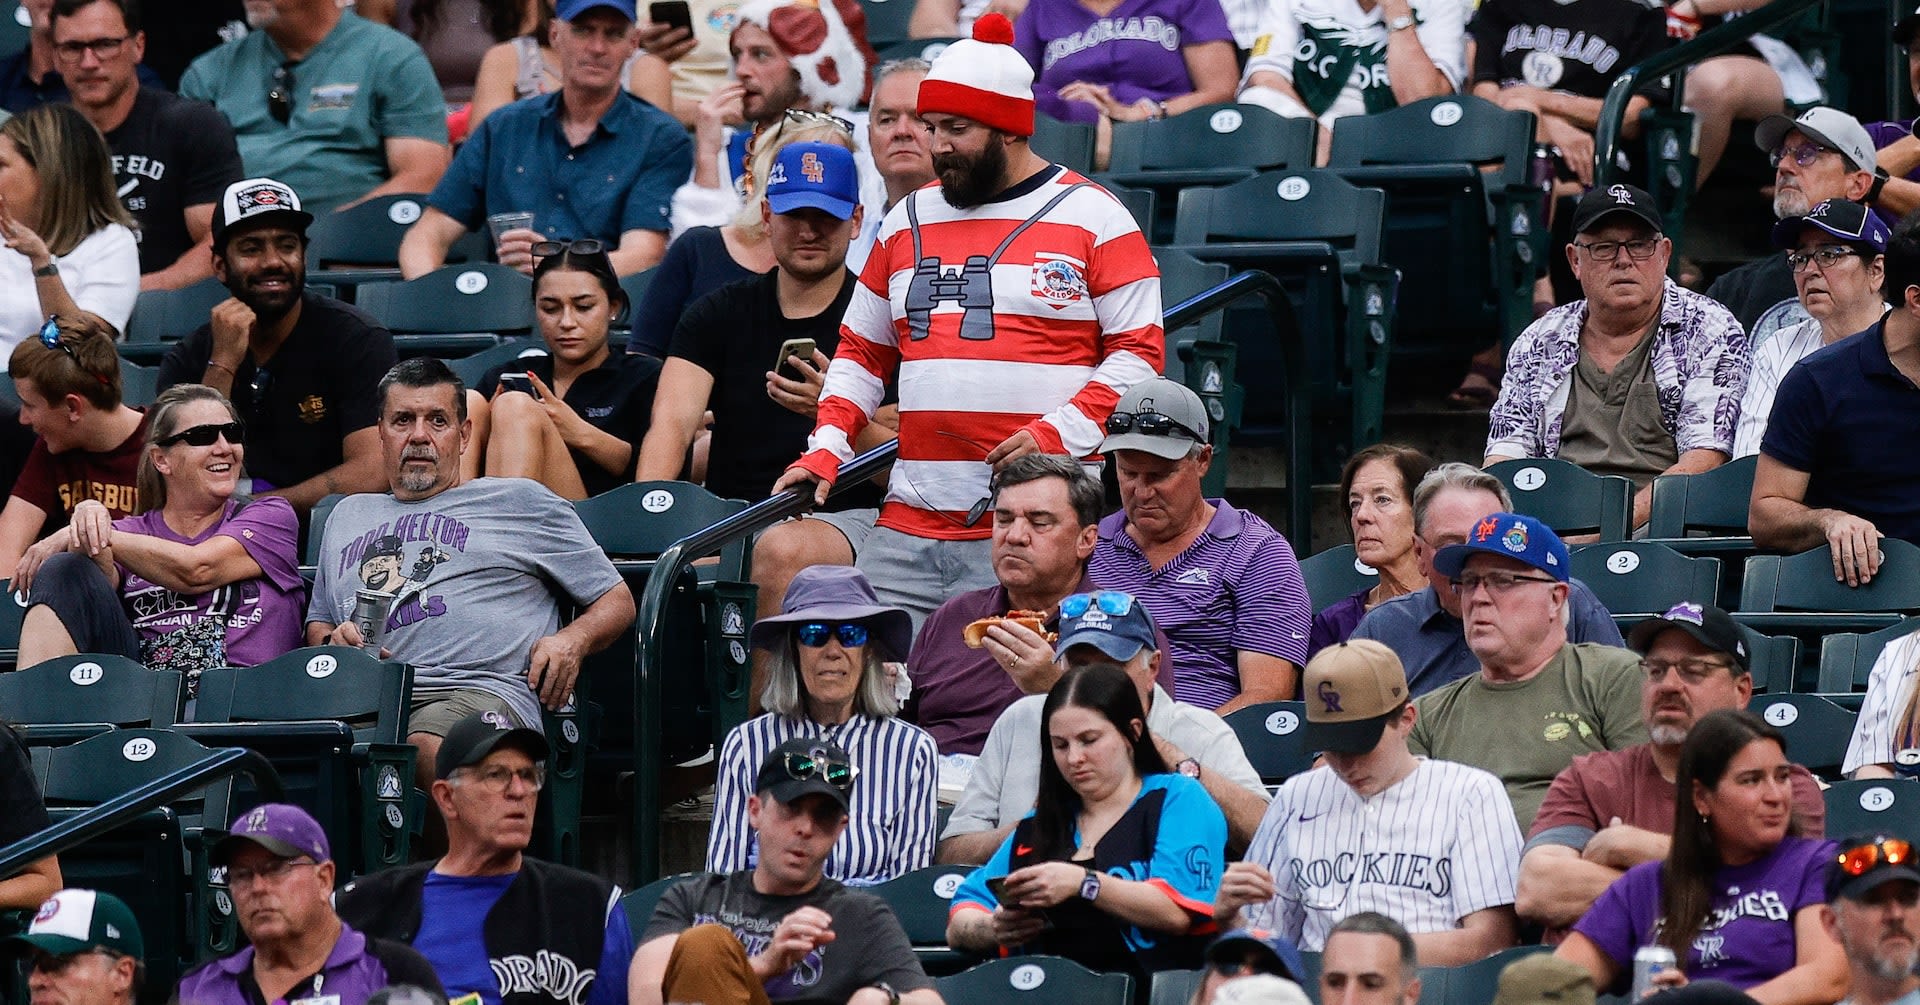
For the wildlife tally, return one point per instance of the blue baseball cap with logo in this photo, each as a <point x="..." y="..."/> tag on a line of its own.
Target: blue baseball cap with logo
<point x="1842" y="218"/>
<point x="814" y="176"/>
<point x="1111" y="621"/>
<point x="568" y="10"/>
<point x="1510" y="535"/>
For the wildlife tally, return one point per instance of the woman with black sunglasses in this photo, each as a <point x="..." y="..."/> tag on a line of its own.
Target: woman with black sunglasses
<point x="202" y="577"/>
<point x="828" y="680"/>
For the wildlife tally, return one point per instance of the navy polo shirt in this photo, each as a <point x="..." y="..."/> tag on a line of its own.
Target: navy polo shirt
<point x="622" y="178"/>
<point x="1848" y="419"/>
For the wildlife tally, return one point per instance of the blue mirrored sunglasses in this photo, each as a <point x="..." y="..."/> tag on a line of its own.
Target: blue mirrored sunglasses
<point x="813" y="634"/>
<point x="1114" y="602"/>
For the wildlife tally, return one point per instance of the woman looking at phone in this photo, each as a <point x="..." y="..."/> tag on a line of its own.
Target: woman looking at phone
<point x="572" y="420"/>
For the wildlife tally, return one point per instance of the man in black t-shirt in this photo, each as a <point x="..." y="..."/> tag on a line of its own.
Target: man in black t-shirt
<point x="171" y="157"/>
<point x="302" y="369"/>
<point x="782" y="925"/>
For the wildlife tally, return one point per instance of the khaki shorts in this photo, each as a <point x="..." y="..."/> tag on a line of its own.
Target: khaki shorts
<point x="436" y="711"/>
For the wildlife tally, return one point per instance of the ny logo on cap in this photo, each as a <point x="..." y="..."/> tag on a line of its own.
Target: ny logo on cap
<point x="1620" y="194"/>
<point x="1328" y="695"/>
<point x="811" y="168"/>
<point x="1689" y="612"/>
<point x="497" y="720"/>
<point x="1484" y="530"/>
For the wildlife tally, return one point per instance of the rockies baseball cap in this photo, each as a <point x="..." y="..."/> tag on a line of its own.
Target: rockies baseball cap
<point x="74" y="920"/>
<point x="1706" y="624"/>
<point x="1866" y="862"/>
<point x="258" y="200"/>
<point x="281" y="828"/>
<point x="1280" y="956"/>
<point x="814" y="175"/>
<point x="1351" y="689"/>
<point x="1544" y="979"/>
<point x="1600" y="203"/>
<point x="1829" y="127"/>
<point x="474" y="737"/>
<point x="1845" y="219"/>
<point x="1111" y="621"/>
<point x="567" y="10"/>
<point x="1161" y="417"/>
<point x="1513" y="535"/>
<point x="806" y="766"/>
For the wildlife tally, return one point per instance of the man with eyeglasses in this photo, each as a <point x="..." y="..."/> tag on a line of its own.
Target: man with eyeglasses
<point x="1538" y="701"/>
<point x="1873" y="911"/>
<point x="1639" y="378"/>
<point x="34" y="75"/>
<point x="1111" y="627"/>
<point x="82" y="947"/>
<point x="280" y="874"/>
<point x="1183" y="554"/>
<point x="781" y="930"/>
<point x="1612" y="810"/>
<point x="341" y="108"/>
<point x="1428" y="842"/>
<point x="497" y="924"/>
<point x="1822" y="154"/>
<point x="1836" y="464"/>
<point x="300" y="367"/>
<point x="589" y="161"/>
<point x="172" y="158"/>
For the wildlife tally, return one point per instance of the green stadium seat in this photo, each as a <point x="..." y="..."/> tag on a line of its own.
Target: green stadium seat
<point x="1816" y="729"/>
<point x="471" y="369"/>
<point x="920" y="900"/>
<point x="163" y="317"/>
<point x="1142" y="204"/>
<point x="1030" y="980"/>
<point x="1174" y="987"/>
<point x="361" y="245"/>
<point x="1847" y="658"/>
<point x="452" y="311"/>
<point x="887" y="21"/>
<point x="139" y="385"/>
<point x="640" y="903"/>
<point x="1183" y="277"/>
<point x="69" y="698"/>
<point x="1798" y="592"/>
<point x="1567" y="497"/>
<point x="1215" y="144"/>
<point x="1471" y="983"/>
<point x="1336" y="574"/>
<point x="1870" y="806"/>
<point x="1639" y="577"/>
<point x="1068" y="144"/>
<point x="1270" y="734"/>
<point x="1706" y="514"/>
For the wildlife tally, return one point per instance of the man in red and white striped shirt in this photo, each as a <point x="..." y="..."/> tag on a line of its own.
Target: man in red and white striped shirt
<point x="1013" y="305"/>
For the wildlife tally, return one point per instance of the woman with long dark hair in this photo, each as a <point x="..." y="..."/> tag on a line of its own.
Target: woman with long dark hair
<point x="1120" y="858"/>
<point x="1738" y="897"/>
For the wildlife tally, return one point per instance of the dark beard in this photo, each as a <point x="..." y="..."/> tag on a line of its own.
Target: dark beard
<point x="271" y="308"/>
<point x="968" y="183"/>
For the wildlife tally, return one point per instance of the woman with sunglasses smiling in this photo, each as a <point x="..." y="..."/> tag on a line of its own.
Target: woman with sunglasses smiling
<point x="202" y="577"/>
<point x="1739" y="897"/>
<point x="827" y="680"/>
<point x="1119" y="862"/>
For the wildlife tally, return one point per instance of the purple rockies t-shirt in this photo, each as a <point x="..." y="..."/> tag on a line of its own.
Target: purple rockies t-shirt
<point x="1886" y="134"/>
<point x="241" y="624"/>
<point x="1135" y="51"/>
<point x="1748" y="936"/>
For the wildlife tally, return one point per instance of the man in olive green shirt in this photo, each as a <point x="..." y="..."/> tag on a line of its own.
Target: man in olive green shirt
<point x="1538" y="702"/>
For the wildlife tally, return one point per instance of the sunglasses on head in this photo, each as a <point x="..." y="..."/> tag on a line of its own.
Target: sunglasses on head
<point x="204" y="436"/>
<point x="814" y="634"/>
<point x="584" y="246"/>
<point x="803" y="117"/>
<point x="1886" y="851"/>
<point x="1149" y="424"/>
<point x="1114" y="602"/>
<point x="838" y="774"/>
<point x="50" y="337"/>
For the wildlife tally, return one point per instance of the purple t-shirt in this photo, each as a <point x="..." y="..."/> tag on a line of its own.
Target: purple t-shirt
<point x="1135" y="51"/>
<point x="1748" y="936"/>
<point x="1886" y="134"/>
<point x="1335" y="622"/>
<point x="241" y="624"/>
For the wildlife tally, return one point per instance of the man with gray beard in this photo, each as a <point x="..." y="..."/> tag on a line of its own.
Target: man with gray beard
<point x="1873" y="909"/>
<point x="1612" y="810"/>
<point x="467" y="572"/>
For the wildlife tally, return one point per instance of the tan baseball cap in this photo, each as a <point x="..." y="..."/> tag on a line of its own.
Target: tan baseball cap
<point x="1351" y="690"/>
<point x="1544" y="979"/>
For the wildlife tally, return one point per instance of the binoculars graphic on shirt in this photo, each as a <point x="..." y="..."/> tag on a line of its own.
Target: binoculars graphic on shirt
<point x="971" y="288"/>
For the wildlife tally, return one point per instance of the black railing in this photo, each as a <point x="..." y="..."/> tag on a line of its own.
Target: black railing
<point x="667" y="571"/>
<point x="97" y="820"/>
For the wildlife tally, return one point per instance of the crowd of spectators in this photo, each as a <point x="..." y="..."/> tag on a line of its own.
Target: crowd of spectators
<point x="844" y="253"/>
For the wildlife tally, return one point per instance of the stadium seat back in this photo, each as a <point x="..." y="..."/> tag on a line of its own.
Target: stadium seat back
<point x="374" y="697"/>
<point x="640" y="903"/>
<point x="1183" y="277"/>
<point x="1174" y="987"/>
<point x="1639" y="577"/>
<point x="476" y="299"/>
<point x="920" y="900"/>
<point x="1847" y="658"/>
<point x="1805" y="582"/>
<point x="369" y="235"/>
<point x="1270" y="734"/>
<point x="473" y="369"/>
<point x="1068" y="144"/>
<point x="13" y="611"/>
<point x="1568" y="498"/>
<point x="1336" y="574"/>
<point x="888" y="22"/>
<point x="1817" y="730"/>
<point x="91" y="689"/>
<point x="163" y="317"/>
<point x="1471" y="983"/>
<point x="1449" y="129"/>
<point x="1713" y="501"/>
<point x="1870" y="806"/>
<point x="1213" y="138"/>
<point x="139" y="385"/>
<point x="1775" y="659"/>
<point x="1032" y="980"/>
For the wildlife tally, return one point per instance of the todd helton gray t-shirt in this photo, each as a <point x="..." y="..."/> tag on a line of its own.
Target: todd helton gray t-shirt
<point x="868" y="943"/>
<point x="475" y="574"/>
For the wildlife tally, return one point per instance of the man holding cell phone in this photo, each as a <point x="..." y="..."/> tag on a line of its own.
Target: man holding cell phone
<point x="587" y="161"/>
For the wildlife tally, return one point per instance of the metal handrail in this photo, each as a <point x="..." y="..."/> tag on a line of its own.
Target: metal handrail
<point x="1719" y="39"/>
<point x="97" y="820"/>
<point x="667" y="569"/>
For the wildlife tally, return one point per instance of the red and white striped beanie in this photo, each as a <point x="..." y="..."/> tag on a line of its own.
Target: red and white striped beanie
<point x="983" y="78"/>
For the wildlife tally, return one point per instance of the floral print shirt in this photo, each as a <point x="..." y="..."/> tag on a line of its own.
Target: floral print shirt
<point x="1701" y="358"/>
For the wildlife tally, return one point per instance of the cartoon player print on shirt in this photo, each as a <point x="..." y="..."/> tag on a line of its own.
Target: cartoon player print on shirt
<point x="384" y="567"/>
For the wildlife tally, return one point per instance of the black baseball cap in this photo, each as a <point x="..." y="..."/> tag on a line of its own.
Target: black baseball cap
<point x="474" y="737"/>
<point x="1905" y="28"/>
<point x="1706" y="624"/>
<point x="1883" y="865"/>
<point x="1600" y="203"/>
<point x="803" y="766"/>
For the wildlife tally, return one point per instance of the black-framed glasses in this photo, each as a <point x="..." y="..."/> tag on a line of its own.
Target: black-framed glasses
<point x="1497" y="583"/>
<point x="1890" y="851"/>
<point x="204" y="436"/>
<point x="280" y="95"/>
<point x="1695" y="671"/>
<point x="803" y="117"/>
<point x="50" y="337"/>
<point x="584" y="246"/>
<point x="1115" y="602"/>
<point x="1149" y="424"/>
<point x="801" y="767"/>
<point x="1825" y="257"/>
<point x="1803" y="154"/>
<point x="1607" y="251"/>
<point x="814" y="634"/>
<point x="102" y="48"/>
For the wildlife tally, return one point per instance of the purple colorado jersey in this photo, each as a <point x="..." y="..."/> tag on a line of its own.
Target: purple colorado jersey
<point x="1748" y="936"/>
<point x="1134" y="51"/>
